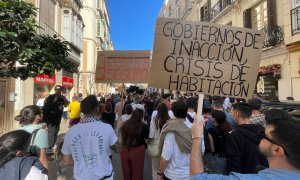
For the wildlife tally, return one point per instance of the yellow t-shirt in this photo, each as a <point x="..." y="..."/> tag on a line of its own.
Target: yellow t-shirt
<point x="74" y="109"/>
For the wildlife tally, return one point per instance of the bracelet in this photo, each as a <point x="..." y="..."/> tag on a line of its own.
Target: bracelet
<point x="159" y="173"/>
<point x="197" y="138"/>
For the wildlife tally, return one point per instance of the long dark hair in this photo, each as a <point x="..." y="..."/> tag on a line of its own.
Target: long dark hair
<point x="132" y="128"/>
<point x="220" y="118"/>
<point x="28" y="114"/>
<point x="11" y="143"/>
<point x="162" y="116"/>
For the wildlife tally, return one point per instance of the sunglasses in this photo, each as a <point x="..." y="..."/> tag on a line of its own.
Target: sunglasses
<point x="262" y="134"/>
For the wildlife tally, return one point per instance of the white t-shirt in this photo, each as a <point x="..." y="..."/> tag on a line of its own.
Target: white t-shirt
<point x="40" y="102"/>
<point x="137" y="106"/>
<point x="171" y="114"/>
<point x="179" y="163"/>
<point x="153" y="132"/>
<point x="125" y="117"/>
<point x="154" y="113"/>
<point x="35" y="173"/>
<point x="189" y="125"/>
<point x="89" y="144"/>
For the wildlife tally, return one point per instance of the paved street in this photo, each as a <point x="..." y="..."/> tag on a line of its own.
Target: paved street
<point x="60" y="172"/>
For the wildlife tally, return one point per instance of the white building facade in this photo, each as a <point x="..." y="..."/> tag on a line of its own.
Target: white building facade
<point x="96" y="38"/>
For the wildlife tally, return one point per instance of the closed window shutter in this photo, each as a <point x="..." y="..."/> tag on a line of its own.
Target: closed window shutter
<point x="271" y="5"/>
<point x="202" y="13"/>
<point x="247" y="18"/>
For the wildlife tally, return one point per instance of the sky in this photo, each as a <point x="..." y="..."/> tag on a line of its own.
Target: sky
<point x="132" y="23"/>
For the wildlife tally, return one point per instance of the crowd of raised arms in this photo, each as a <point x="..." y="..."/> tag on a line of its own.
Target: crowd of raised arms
<point x="230" y="138"/>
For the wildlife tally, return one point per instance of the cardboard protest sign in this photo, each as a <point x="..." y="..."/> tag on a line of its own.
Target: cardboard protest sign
<point x="205" y="58"/>
<point x="123" y="67"/>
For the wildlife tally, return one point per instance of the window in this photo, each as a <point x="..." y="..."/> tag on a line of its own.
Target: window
<point x="170" y="11"/>
<point x="177" y="13"/>
<point x="67" y="25"/>
<point x="295" y="3"/>
<point x="259" y="15"/>
<point x="77" y="33"/>
<point x="204" y="13"/>
<point x="295" y="16"/>
<point x="98" y="27"/>
<point x="98" y="40"/>
<point x="73" y="29"/>
<point x="99" y="4"/>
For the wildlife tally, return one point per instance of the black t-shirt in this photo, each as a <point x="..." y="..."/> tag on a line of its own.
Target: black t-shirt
<point x="144" y="135"/>
<point x="219" y="140"/>
<point x="109" y="118"/>
<point x="149" y="105"/>
<point x="140" y="139"/>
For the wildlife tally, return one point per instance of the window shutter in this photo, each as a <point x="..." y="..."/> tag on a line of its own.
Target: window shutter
<point x="202" y="13"/>
<point x="271" y="6"/>
<point x="247" y="18"/>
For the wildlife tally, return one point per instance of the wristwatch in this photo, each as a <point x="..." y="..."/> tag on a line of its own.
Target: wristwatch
<point x="160" y="173"/>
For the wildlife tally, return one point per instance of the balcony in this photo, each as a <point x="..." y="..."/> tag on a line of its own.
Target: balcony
<point x="206" y="18"/>
<point x="187" y="9"/>
<point x="219" y="7"/>
<point x="74" y="53"/>
<point x="295" y="18"/>
<point x="47" y="30"/>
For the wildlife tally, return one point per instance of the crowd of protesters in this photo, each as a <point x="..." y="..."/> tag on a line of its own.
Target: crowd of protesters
<point x="235" y="140"/>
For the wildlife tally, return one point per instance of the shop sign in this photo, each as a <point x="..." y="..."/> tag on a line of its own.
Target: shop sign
<point x="44" y="79"/>
<point x="66" y="81"/>
<point x="267" y="87"/>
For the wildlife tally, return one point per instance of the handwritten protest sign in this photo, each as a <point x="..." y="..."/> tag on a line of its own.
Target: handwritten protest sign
<point x="205" y="58"/>
<point x="123" y="66"/>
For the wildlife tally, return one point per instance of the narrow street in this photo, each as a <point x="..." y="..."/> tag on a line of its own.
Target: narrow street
<point x="57" y="171"/>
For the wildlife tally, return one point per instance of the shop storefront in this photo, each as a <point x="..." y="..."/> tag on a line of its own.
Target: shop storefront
<point x="267" y="82"/>
<point x="42" y="86"/>
<point x="68" y="84"/>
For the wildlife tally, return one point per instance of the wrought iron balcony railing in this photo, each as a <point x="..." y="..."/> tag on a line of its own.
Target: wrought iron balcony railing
<point x="219" y="7"/>
<point x="274" y="35"/>
<point x="295" y="18"/>
<point x="47" y="30"/>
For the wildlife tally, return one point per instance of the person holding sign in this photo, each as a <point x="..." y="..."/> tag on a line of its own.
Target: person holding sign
<point x="279" y="143"/>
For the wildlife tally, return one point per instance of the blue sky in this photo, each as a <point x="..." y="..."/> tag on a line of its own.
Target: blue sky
<point x="132" y="23"/>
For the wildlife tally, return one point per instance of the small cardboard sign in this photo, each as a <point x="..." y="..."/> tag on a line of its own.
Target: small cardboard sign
<point x="123" y="67"/>
<point x="205" y="58"/>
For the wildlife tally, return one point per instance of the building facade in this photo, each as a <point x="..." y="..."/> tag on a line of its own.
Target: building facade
<point x="59" y="18"/>
<point x="279" y="19"/>
<point x="96" y="38"/>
